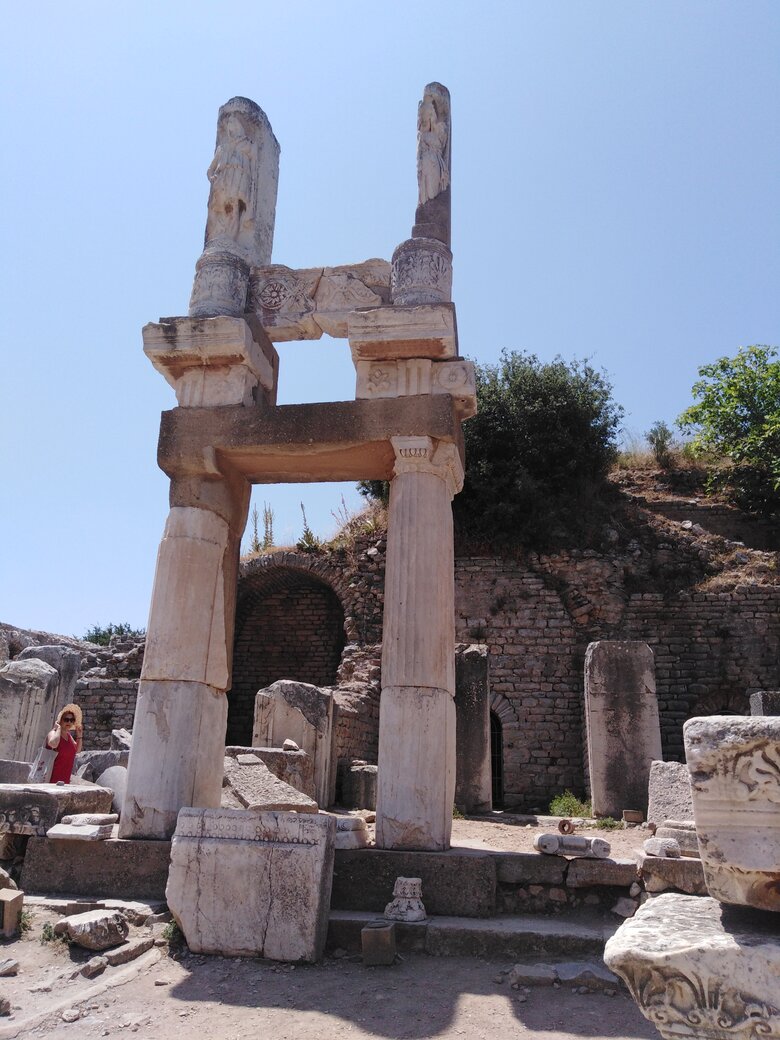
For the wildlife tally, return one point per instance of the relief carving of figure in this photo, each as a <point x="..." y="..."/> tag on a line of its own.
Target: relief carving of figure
<point x="231" y="175"/>
<point x="433" y="174"/>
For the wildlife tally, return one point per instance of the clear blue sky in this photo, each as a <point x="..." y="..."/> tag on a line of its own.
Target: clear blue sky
<point x="615" y="196"/>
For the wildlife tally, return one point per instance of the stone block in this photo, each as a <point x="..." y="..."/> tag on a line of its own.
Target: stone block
<point x="85" y="832"/>
<point x="129" y="951"/>
<point x="735" y="777"/>
<point x="669" y="792"/>
<point x="586" y="873"/>
<point x="256" y="787"/>
<point x="11" y="903"/>
<point x="684" y="833"/>
<point x="457" y="883"/>
<point x="14" y="772"/>
<point x="121" y="740"/>
<point x="351" y="832"/>
<point x="115" y="779"/>
<point x="423" y="331"/>
<point x="90" y="764"/>
<point x="682" y="875"/>
<point x="378" y="943"/>
<point x="65" y="661"/>
<point x="622" y="723"/>
<point x="94" y="930"/>
<point x="28" y="701"/>
<point x="247" y="883"/>
<point x="121" y="869"/>
<point x="574" y="845"/>
<point x="765" y="702"/>
<point x="698" y="970"/>
<point x="298" y="711"/>
<point x="473" y="784"/>
<point x="34" y="808"/>
<point x="359" y="786"/>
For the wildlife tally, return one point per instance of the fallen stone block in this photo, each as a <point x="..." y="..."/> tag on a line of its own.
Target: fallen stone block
<point x="572" y="845"/>
<point x="71" y="832"/>
<point x="351" y="832"/>
<point x="252" y="883"/>
<point x="33" y="808"/>
<point x="662" y="848"/>
<point x="532" y="975"/>
<point x="684" y="833"/>
<point x="295" y="768"/>
<point x="94" y="930"/>
<point x="91" y="819"/>
<point x="132" y="949"/>
<point x="11" y="903"/>
<point x="256" y="787"/>
<point x="90" y="764"/>
<point x="378" y="943"/>
<point x="684" y="874"/>
<point x="8" y="966"/>
<point x="590" y="974"/>
<point x="94" y="966"/>
<point x="115" y="779"/>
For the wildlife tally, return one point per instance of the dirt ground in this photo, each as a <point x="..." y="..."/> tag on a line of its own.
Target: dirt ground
<point x="502" y="832"/>
<point x="158" y="997"/>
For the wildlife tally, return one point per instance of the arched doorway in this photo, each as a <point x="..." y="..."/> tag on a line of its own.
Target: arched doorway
<point x="289" y="625"/>
<point x="497" y="760"/>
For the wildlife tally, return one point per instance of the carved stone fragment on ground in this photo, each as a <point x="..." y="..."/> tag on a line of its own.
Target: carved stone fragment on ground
<point x="95" y="929"/>
<point x="572" y="845"/>
<point x="406" y="904"/>
<point x="256" y="787"/>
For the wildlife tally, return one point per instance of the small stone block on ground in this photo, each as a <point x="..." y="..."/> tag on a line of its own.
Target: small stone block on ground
<point x="378" y="943"/>
<point x="80" y="832"/>
<point x="252" y="883"/>
<point x="11" y="903"/>
<point x="683" y="874"/>
<point x="94" y="930"/>
<point x="132" y="949"/>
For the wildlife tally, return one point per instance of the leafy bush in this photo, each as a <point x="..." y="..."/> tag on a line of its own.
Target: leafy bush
<point x="661" y="440"/>
<point x="737" y="415"/>
<point x="537" y="452"/>
<point x="568" y="805"/>
<point x="101" y="634"/>
<point x="607" y="823"/>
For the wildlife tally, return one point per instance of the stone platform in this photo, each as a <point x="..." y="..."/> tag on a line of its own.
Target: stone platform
<point x="701" y="970"/>
<point x="114" y="868"/>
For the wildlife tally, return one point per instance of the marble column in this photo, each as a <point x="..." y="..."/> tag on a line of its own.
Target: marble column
<point x="181" y="714"/>
<point x="416" y="781"/>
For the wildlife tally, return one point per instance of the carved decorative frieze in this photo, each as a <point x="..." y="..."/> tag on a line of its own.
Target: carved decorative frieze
<point x="377" y="379"/>
<point x="698" y="971"/>
<point x="734" y="764"/>
<point x="421" y="272"/>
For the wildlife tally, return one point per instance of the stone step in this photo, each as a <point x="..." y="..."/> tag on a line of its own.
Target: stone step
<point x="515" y="938"/>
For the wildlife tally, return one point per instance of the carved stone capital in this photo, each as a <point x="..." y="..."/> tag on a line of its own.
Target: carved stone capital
<point x="425" y="455"/>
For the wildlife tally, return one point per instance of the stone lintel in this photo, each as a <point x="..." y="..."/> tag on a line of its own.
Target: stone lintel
<point x="196" y="355"/>
<point x="339" y="440"/>
<point x="420" y="331"/>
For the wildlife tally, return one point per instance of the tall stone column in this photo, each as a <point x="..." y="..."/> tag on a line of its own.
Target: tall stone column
<point x="416" y="781"/>
<point x="181" y="714"/>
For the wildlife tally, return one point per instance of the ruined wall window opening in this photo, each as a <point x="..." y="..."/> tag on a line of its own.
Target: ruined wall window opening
<point x="497" y="760"/>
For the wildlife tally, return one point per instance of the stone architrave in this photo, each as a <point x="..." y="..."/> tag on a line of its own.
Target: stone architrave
<point x="623" y="728"/>
<point x="415" y="376"/>
<point x="247" y="883"/>
<point x="289" y="710"/>
<point x="698" y="971"/>
<point x="416" y="777"/>
<point x="669" y="792"/>
<point x="244" y="175"/>
<point x="28" y="702"/>
<point x="765" y="702"/>
<point x="181" y="714"/>
<point x="387" y="333"/>
<point x="473" y="783"/>
<point x="735" y="776"/>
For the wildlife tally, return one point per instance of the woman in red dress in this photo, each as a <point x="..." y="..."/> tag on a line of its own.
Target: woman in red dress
<point x="66" y="739"/>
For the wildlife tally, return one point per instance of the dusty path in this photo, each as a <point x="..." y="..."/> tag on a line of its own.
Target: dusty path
<point x="222" y="999"/>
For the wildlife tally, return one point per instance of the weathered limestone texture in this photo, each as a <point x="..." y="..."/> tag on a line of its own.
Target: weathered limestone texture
<point x="699" y="970"/>
<point x="181" y="715"/>
<point x="735" y="776"/>
<point x="95" y="929"/>
<point x="297" y="711"/>
<point x="11" y="905"/>
<point x="256" y="787"/>
<point x="393" y="333"/>
<point x="623" y="730"/>
<point x="351" y="832"/>
<point x="293" y="767"/>
<point x="416" y="779"/>
<point x="244" y="175"/>
<point x="659" y="873"/>
<point x="406" y="904"/>
<point x="765" y="702"/>
<point x="669" y="792"/>
<point x="684" y="833"/>
<point x="67" y="663"/>
<point x="473" y="792"/>
<point x="359" y="786"/>
<point x="415" y="376"/>
<point x="246" y="883"/>
<point x="33" y="808"/>
<point x="572" y="845"/>
<point x="28" y="700"/>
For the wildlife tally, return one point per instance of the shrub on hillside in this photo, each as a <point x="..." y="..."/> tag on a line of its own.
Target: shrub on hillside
<point x="101" y="634"/>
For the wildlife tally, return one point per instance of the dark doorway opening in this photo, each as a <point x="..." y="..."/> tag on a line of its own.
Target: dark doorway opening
<point x="496" y="761"/>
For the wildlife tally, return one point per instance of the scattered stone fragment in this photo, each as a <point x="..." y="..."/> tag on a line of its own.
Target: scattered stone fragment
<point x="94" y="966"/>
<point x="290" y="745"/>
<point x="666" y="848"/>
<point x="6" y="881"/>
<point x="407" y="904"/>
<point x="5" y="1006"/>
<point x="80" y="832"/>
<point x="8" y="966"/>
<point x="587" y="976"/>
<point x="572" y="845"/>
<point x="533" y="975"/>
<point x="70" y="1015"/>
<point x="625" y="907"/>
<point x="90" y="819"/>
<point x="132" y="949"/>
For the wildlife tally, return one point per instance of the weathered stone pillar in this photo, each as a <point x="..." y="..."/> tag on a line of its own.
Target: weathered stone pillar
<point x="181" y="715"/>
<point x="416" y="782"/>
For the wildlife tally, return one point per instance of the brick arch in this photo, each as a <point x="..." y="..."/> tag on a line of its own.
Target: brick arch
<point x="289" y="625"/>
<point x="504" y="710"/>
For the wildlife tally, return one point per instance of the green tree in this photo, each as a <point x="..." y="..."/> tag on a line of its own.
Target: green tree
<point x="737" y="415"/>
<point x="537" y="452"/>
<point x="101" y="634"/>
<point x="661" y="441"/>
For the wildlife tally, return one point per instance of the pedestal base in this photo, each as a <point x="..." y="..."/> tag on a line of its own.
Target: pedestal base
<point x="701" y="970"/>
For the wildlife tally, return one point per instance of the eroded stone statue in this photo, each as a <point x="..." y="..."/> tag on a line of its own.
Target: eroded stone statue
<point x="433" y="142"/>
